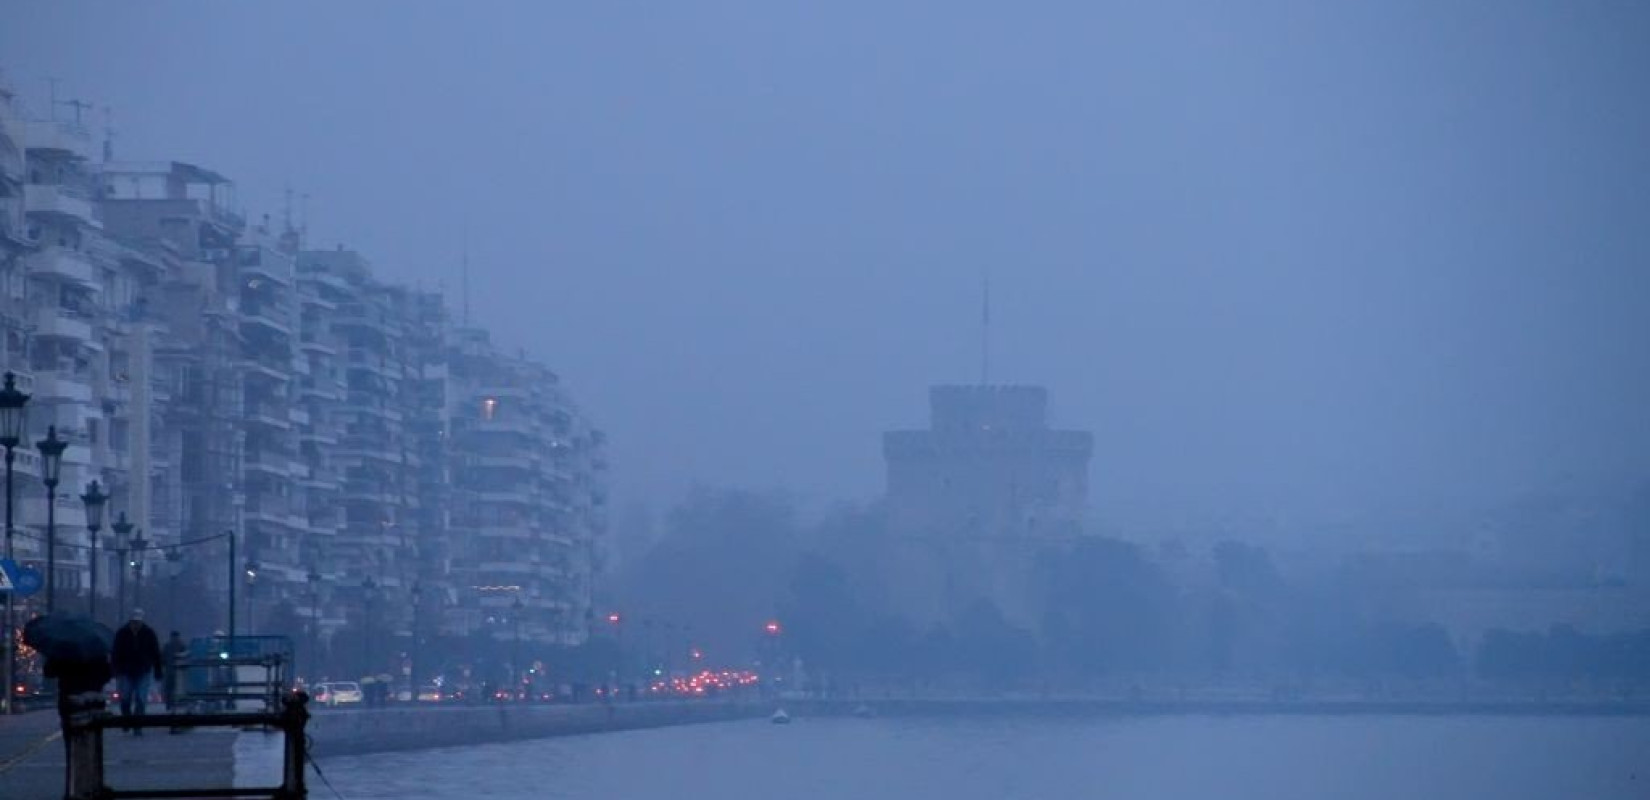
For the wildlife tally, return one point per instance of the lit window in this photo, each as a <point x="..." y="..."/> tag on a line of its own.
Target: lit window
<point x="489" y="407"/>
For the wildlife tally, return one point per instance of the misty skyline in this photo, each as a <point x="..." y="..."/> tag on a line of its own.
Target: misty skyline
<point x="1293" y="261"/>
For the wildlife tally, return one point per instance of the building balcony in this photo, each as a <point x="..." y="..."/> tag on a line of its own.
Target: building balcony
<point x="513" y="569"/>
<point x="61" y="323"/>
<point x="277" y="466"/>
<point x="505" y="496"/>
<point x="61" y="137"/>
<point x="268" y="417"/>
<point x="311" y="391"/>
<point x="522" y="532"/>
<point x="511" y="425"/>
<point x="313" y="344"/>
<point x="271" y="318"/>
<point x="509" y="462"/>
<point x="62" y="387"/>
<point x="276" y="519"/>
<point x="261" y="262"/>
<point x="266" y="369"/>
<point x="62" y="202"/>
<point x="63" y="264"/>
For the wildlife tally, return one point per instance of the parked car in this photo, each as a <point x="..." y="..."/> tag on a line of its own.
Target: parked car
<point x="337" y="693"/>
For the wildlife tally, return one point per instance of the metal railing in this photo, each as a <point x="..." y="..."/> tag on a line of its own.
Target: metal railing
<point x="233" y="673"/>
<point x="86" y="718"/>
<point x="219" y="682"/>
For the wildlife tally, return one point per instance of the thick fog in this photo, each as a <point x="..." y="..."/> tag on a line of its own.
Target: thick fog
<point x="1294" y="264"/>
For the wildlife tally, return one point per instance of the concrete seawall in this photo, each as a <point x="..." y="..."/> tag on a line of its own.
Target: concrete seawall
<point x="973" y="707"/>
<point x="356" y="731"/>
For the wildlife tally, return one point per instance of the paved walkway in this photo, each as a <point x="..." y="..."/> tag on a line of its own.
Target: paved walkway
<point x="31" y="758"/>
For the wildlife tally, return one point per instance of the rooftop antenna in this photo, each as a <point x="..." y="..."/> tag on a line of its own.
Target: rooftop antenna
<point x="108" y="135"/>
<point x="78" y="106"/>
<point x="985" y="331"/>
<point x="286" y="207"/>
<point x="464" y="280"/>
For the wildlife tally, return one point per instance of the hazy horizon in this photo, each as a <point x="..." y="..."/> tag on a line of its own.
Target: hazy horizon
<point x="1289" y="262"/>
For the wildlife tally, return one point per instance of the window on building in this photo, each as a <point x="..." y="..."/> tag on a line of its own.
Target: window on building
<point x="489" y="408"/>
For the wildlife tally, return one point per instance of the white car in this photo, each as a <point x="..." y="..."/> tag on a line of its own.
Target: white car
<point x="337" y="693"/>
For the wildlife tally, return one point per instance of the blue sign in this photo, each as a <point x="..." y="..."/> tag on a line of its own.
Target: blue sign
<point x="28" y="581"/>
<point x="17" y="579"/>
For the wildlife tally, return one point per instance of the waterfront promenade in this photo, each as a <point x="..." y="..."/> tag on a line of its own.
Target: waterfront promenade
<point x="31" y="756"/>
<point x="31" y="752"/>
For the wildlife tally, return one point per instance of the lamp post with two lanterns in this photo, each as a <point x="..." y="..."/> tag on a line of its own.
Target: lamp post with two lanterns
<point x="13" y="405"/>
<point x="122" y="529"/>
<point x="94" y="500"/>
<point x="51" y="469"/>
<point x="137" y="547"/>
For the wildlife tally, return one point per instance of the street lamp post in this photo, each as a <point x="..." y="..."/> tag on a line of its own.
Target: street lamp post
<point x="94" y="498"/>
<point x="232" y="582"/>
<point x="314" y="579"/>
<point x="13" y="412"/>
<point x="174" y="571"/>
<point x="515" y="646"/>
<point x="122" y="529"/>
<point x="417" y="638"/>
<point x="51" y="469"/>
<point x="369" y="591"/>
<point x="251" y="590"/>
<point x="139" y="545"/>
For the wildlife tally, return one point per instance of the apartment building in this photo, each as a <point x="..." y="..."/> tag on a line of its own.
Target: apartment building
<point x="377" y="465"/>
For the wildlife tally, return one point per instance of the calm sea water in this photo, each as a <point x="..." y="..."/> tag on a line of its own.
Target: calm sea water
<point x="1276" y="758"/>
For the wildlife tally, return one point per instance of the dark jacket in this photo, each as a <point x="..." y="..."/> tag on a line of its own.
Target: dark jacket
<point x="136" y="653"/>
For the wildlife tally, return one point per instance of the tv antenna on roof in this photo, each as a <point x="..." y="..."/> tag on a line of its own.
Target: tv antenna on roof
<point x="464" y="277"/>
<point x="985" y="330"/>
<point x="108" y="133"/>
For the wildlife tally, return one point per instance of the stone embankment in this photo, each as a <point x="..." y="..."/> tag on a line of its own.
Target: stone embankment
<point x="354" y="731"/>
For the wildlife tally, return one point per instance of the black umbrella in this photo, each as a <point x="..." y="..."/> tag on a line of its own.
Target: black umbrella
<point x="69" y="637"/>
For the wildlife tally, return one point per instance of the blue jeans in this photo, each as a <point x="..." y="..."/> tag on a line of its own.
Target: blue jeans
<point x="134" y="693"/>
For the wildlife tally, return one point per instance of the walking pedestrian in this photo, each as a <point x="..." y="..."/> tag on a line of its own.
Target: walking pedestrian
<point x="172" y="656"/>
<point x="135" y="659"/>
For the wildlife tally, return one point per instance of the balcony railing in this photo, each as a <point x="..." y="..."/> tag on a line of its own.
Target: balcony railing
<point x="62" y="323"/>
<point x="63" y="264"/>
<point x="59" y="201"/>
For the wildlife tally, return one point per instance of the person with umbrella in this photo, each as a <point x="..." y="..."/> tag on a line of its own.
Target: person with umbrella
<point x="136" y="658"/>
<point x="76" y="650"/>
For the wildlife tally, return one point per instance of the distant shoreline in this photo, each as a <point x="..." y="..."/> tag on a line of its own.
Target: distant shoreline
<point x="912" y="707"/>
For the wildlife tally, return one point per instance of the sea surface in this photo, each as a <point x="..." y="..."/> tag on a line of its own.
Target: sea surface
<point x="1036" y="758"/>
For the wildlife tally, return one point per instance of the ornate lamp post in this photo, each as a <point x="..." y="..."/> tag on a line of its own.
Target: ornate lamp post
<point x="94" y="499"/>
<point x="13" y="405"/>
<point x="138" y="546"/>
<point x="51" y="469"/>
<point x="122" y="529"/>
<point x="251" y="587"/>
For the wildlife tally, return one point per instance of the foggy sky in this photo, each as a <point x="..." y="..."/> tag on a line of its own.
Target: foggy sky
<point x="1301" y="262"/>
